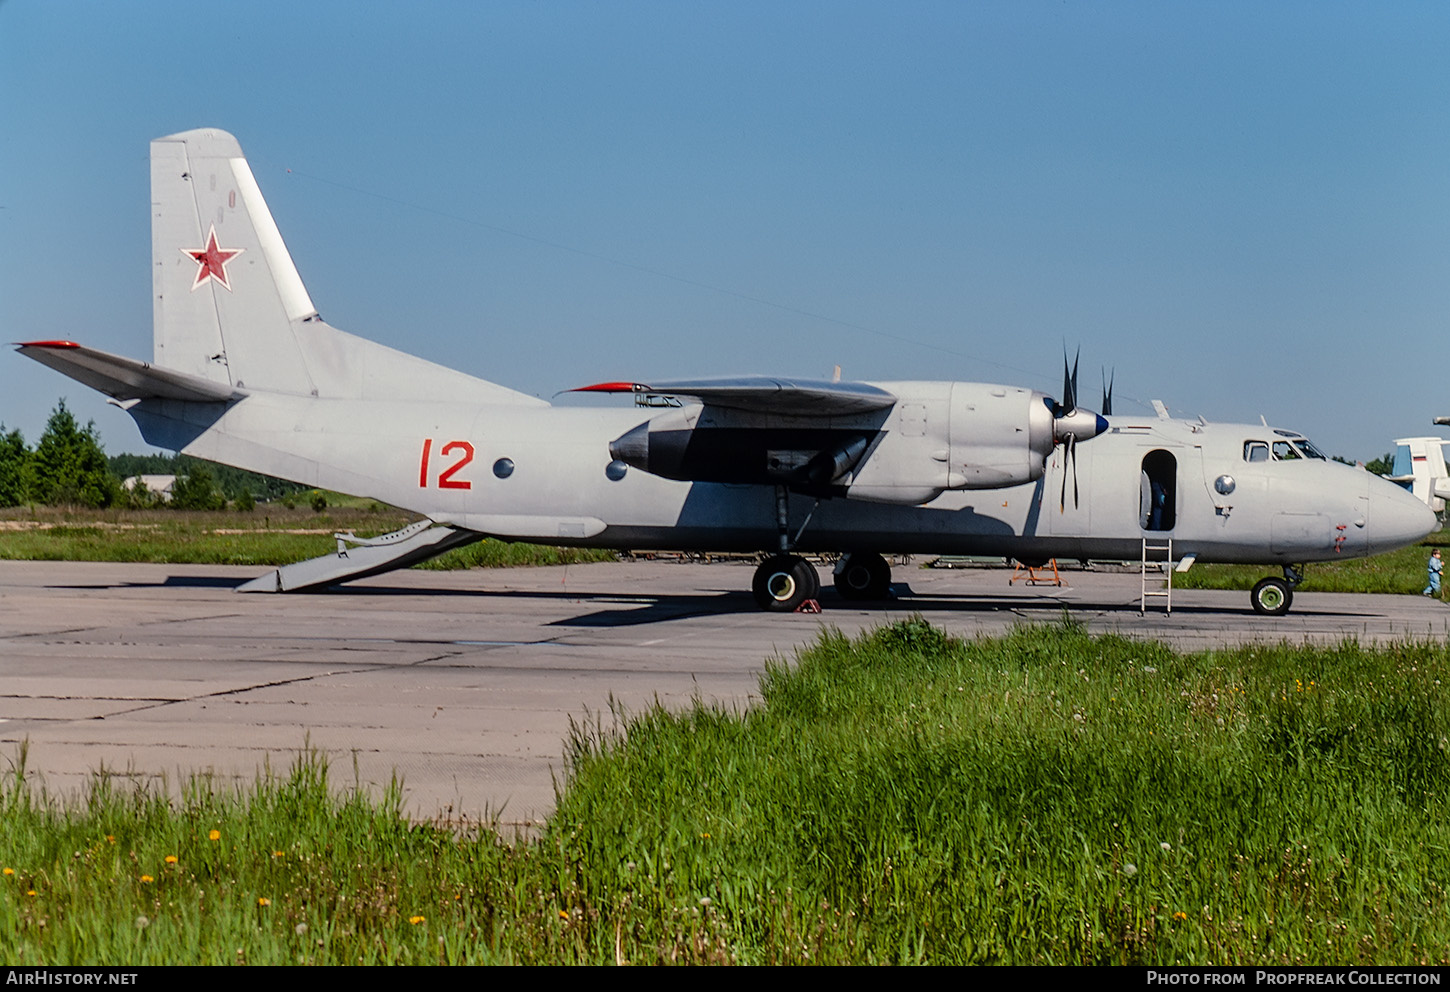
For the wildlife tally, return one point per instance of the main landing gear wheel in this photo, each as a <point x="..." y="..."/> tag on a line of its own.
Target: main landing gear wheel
<point x="863" y="575"/>
<point x="1272" y="597"/>
<point x="783" y="582"/>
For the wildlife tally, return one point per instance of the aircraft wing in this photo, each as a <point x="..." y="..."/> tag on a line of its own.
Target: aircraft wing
<point x="764" y="394"/>
<point x="125" y="378"/>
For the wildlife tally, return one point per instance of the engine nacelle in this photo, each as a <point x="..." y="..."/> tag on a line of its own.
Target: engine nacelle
<point x="937" y="436"/>
<point x="956" y="435"/>
<point x="1000" y="435"/>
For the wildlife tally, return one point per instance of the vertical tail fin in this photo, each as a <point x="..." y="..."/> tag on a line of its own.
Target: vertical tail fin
<point x="1419" y="466"/>
<point x="230" y="307"/>
<point x="226" y="293"/>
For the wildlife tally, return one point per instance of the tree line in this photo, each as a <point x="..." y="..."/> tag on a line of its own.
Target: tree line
<point x="69" y="467"/>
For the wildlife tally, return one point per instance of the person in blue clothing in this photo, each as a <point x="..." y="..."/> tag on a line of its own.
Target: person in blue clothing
<point x="1436" y="566"/>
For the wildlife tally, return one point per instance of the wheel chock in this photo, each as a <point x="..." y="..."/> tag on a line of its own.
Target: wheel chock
<point x="809" y="606"/>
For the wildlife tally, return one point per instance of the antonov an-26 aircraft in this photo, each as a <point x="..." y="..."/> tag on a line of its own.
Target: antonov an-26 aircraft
<point x="246" y="373"/>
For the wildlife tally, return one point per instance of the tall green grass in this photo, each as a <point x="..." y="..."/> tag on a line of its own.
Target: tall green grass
<point x="1052" y="798"/>
<point x="1047" y="797"/>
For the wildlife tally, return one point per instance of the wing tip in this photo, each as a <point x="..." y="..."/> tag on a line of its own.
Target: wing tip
<point x="45" y="344"/>
<point x="609" y="387"/>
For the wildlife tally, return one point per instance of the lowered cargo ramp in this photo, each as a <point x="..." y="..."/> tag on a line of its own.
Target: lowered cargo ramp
<point x="359" y="557"/>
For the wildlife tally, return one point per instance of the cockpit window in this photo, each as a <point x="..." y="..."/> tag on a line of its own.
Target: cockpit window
<point x="1295" y="449"/>
<point x="1302" y="443"/>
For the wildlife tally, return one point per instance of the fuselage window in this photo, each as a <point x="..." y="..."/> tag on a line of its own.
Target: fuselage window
<point x="1256" y="451"/>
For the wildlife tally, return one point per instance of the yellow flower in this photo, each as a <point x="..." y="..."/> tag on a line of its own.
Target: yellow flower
<point x="276" y="854"/>
<point x="1180" y="915"/>
<point x="264" y="901"/>
<point x="214" y="835"/>
<point x="563" y="915"/>
<point x="415" y="920"/>
<point x="171" y="859"/>
<point x="9" y="871"/>
<point x="110" y="838"/>
<point x="147" y="878"/>
<point x="30" y="892"/>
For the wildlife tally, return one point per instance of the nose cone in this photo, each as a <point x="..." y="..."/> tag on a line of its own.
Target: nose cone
<point x="1080" y="424"/>
<point x="1396" y="518"/>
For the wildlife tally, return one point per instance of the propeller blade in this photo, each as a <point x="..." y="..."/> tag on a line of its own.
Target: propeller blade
<point x="1062" y="498"/>
<point x="1069" y="383"/>
<point x="1069" y="457"/>
<point x="1073" y="449"/>
<point x="1076" y="355"/>
<point x="1107" y="410"/>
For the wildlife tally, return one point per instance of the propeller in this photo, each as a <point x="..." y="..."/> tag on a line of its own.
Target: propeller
<point x="1107" y="410"/>
<point x="1071" y="425"/>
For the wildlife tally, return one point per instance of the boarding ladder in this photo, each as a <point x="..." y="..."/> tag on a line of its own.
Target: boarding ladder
<point x="1162" y="568"/>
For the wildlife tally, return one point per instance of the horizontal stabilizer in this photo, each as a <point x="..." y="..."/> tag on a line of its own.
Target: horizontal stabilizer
<point x="125" y="378"/>
<point x="762" y="394"/>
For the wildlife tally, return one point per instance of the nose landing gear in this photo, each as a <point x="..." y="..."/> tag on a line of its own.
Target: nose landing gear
<point x="1273" y="597"/>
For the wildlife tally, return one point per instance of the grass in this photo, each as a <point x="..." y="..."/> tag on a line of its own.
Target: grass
<point x="272" y="534"/>
<point x="1047" y="797"/>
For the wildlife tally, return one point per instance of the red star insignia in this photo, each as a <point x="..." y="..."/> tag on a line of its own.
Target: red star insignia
<point x="212" y="261"/>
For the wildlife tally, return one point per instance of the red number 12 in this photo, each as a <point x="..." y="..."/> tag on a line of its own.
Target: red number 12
<point x="445" y="478"/>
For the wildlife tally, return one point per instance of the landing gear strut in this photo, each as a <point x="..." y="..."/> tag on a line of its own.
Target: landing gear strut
<point x="784" y="581"/>
<point x="863" y="575"/>
<point x="1273" y="597"/>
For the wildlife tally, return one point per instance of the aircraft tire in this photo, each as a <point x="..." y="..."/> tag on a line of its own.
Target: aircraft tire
<point x="783" y="582"/>
<point x="863" y="575"/>
<point x="1272" y="597"/>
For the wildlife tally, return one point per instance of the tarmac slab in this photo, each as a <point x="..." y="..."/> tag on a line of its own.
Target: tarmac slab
<point x="464" y="684"/>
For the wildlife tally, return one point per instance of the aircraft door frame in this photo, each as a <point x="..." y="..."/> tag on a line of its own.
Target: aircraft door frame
<point x="1159" y="471"/>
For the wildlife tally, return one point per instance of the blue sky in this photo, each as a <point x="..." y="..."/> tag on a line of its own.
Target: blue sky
<point x="1242" y="208"/>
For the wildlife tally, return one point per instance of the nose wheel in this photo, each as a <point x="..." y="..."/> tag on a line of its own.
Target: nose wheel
<point x="1273" y="597"/>
<point x="783" y="582"/>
